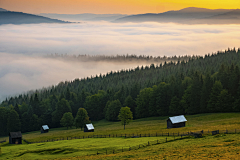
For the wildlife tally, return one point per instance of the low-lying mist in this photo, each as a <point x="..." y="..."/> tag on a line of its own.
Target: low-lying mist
<point x="25" y="49"/>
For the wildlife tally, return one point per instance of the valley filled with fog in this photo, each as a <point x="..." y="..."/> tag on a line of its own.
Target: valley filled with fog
<point x="25" y="49"/>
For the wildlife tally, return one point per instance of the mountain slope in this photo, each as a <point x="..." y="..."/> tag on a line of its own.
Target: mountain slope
<point x="3" y="10"/>
<point x="24" y="18"/>
<point x="187" y="15"/>
<point x="84" y="17"/>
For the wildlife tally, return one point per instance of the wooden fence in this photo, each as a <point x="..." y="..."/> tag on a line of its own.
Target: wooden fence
<point x="157" y="134"/>
<point x="3" y="141"/>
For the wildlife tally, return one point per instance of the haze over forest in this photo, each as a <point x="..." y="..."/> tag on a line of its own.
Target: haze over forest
<point x="25" y="49"/>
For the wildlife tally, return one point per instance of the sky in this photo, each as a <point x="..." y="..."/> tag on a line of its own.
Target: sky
<point x="23" y="48"/>
<point x="112" y="6"/>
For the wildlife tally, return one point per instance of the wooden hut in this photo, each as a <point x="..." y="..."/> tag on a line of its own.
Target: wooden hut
<point x="44" y="129"/>
<point x="176" y="122"/>
<point x="15" y="137"/>
<point x="89" y="128"/>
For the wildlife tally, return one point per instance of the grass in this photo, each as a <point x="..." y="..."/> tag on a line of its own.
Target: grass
<point x="210" y="121"/>
<point x="79" y="147"/>
<point x="209" y="147"/>
<point x="219" y="147"/>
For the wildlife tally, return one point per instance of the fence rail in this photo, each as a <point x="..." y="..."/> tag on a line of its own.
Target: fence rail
<point x="3" y="141"/>
<point x="157" y="134"/>
<point x="149" y="143"/>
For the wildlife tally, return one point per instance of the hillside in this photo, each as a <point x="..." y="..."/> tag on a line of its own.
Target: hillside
<point x="84" y="17"/>
<point x="210" y="146"/>
<point x="24" y="18"/>
<point x="3" y="10"/>
<point x="201" y="85"/>
<point x="187" y="16"/>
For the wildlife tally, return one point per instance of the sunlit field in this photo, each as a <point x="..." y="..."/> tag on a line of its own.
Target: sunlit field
<point x="153" y="125"/>
<point x="218" y="146"/>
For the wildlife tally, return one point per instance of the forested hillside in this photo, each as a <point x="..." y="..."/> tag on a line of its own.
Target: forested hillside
<point x="200" y="85"/>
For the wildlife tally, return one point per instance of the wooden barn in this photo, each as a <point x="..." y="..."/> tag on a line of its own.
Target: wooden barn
<point x="89" y="128"/>
<point x="176" y="122"/>
<point x="15" y="137"/>
<point x="44" y="129"/>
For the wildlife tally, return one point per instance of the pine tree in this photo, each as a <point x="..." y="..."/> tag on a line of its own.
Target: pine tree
<point x="214" y="97"/>
<point x="3" y="121"/>
<point x="81" y="118"/>
<point x="112" y="110"/>
<point x="67" y="120"/>
<point x="131" y="104"/>
<point x="142" y="102"/>
<point x="13" y="121"/>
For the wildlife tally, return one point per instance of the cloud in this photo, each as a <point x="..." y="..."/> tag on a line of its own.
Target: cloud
<point x="21" y="73"/>
<point x="22" y="47"/>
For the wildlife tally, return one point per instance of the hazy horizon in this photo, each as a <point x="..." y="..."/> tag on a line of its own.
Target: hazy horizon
<point x="111" y="6"/>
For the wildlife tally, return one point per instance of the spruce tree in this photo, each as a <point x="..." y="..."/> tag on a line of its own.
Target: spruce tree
<point x="81" y="118"/>
<point x="13" y="121"/>
<point x="214" y="97"/>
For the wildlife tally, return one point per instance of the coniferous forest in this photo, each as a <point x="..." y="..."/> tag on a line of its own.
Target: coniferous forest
<point x="199" y="85"/>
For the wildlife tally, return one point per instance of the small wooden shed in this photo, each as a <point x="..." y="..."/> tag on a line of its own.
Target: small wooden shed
<point x="89" y="128"/>
<point x="15" y="137"/>
<point x="44" y="129"/>
<point x="176" y="121"/>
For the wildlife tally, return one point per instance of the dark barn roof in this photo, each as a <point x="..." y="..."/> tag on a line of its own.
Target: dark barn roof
<point x="15" y="134"/>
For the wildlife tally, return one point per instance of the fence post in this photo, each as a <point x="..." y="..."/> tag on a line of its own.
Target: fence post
<point x="113" y="151"/>
<point x="148" y="143"/>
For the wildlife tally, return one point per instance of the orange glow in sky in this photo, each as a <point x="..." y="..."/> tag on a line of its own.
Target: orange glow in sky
<point x="112" y="6"/>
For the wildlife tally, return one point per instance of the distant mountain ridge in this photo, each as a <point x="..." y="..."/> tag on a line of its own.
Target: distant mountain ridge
<point x="84" y="16"/>
<point x="189" y="15"/>
<point x="9" y="17"/>
<point x="3" y="10"/>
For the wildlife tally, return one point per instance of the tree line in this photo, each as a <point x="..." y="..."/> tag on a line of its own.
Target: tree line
<point x="200" y="85"/>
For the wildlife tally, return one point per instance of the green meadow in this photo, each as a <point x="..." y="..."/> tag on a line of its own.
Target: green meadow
<point x="79" y="148"/>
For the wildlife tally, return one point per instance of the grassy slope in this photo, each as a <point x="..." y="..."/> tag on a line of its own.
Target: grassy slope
<point x="210" y="147"/>
<point x="210" y="121"/>
<point x="82" y="147"/>
<point x="72" y="148"/>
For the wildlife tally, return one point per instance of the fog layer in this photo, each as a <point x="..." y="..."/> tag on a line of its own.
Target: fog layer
<point x="23" y="48"/>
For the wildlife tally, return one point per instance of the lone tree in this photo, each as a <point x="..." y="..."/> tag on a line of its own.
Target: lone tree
<point x="81" y="118"/>
<point x="125" y="115"/>
<point x="67" y="120"/>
